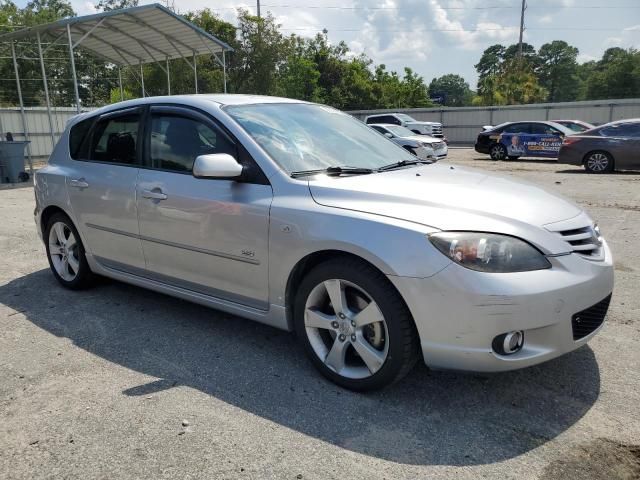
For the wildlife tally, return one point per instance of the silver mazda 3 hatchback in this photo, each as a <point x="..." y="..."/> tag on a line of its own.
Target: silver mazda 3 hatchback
<point x="301" y="217"/>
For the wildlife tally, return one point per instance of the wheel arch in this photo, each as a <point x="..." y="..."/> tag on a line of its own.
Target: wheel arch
<point x="48" y="212"/>
<point x="306" y="264"/>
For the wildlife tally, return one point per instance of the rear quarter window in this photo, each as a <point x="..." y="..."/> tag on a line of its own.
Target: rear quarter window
<point x="78" y="133"/>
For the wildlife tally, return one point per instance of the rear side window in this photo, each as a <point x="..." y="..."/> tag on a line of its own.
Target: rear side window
<point x="543" y="129"/>
<point x="115" y="139"/>
<point x="623" y="130"/>
<point x="375" y="120"/>
<point x="77" y="135"/>
<point x="176" y="142"/>
<point x="517" y="128"/>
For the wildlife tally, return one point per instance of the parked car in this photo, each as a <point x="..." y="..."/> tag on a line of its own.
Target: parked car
<point x="603" y="149"/>
<point x="422" y="146"/>
<point x="301" y="217"/>
<point x="433" y="129"/>
<point x="577" y="126"/>
<point x="513" y="140"/>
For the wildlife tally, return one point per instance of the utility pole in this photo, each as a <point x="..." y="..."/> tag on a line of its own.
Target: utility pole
<point x="258" y="2"/>
<point x="524" y="7"/>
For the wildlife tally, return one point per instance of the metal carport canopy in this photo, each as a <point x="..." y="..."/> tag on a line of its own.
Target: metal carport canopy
<point x="144" y="34"/>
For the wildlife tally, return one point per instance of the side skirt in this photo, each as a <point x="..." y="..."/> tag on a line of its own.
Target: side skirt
<point x="274" y="316"/>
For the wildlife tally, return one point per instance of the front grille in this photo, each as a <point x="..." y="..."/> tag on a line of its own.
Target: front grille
<point x="587" y="321"/>
<point x="585" y="241"/>
<point x="436" y="130"/>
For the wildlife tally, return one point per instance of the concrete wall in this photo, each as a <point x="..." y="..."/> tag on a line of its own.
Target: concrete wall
<point x="462" y="124"/>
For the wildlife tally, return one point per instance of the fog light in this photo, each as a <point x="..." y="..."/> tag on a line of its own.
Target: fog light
<point x="508" y="343"/>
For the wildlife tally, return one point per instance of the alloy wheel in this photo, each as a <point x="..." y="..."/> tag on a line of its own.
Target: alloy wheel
<point x="497" y="152"/>
<point x="346" y="329"/>
<point x="598" y="162"/>
<point x="64" y="251"/>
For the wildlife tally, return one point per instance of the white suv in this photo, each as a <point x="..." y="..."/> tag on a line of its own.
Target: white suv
<point x="423" y="128"/>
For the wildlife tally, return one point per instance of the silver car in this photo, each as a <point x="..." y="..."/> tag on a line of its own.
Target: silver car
<point x="301" y="217"/>
<point x="422" y="146"/>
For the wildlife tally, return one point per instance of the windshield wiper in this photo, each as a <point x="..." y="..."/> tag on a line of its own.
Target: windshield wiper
<point x="333" y="171"/>
<point x="403" y="163"/>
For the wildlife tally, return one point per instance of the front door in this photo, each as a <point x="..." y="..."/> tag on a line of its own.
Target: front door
<point x="204" y="235"/>
<point x="101" y="182"/>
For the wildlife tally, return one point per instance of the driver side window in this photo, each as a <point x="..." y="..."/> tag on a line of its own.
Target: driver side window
<point x="176" y="141"/>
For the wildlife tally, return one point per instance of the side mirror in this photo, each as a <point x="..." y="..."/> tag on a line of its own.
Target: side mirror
<point x="216" y="165"/>
<point x="388" y="135"/>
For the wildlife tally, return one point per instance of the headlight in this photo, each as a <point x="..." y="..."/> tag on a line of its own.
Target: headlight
<point x="489" y="252"/>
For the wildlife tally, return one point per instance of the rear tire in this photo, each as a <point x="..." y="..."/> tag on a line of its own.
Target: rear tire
<point x="369" y="340"/>
<point x="598" y="162"/>
<point x="498" y="152"/>
<point x="66" y="253"/>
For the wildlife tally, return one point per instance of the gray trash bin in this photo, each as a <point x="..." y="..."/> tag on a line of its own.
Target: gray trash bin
<point x="12" y="162"/>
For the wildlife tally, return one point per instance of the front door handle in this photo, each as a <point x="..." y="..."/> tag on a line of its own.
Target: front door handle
<point x="154" y="194"/>
<point x="78" y="183"/>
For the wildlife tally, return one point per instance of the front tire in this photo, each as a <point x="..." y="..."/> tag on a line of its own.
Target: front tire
<point x="354" y="325"/>
<point x="498" y="152"/>
<point x="66" y="253"/>
<point x="598" y="162"/>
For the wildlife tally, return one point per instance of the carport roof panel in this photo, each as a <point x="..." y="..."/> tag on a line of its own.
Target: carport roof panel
<point x="130" y="36"/>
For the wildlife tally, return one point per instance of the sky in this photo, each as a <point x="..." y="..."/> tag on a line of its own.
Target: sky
<point x="436" y="37"/>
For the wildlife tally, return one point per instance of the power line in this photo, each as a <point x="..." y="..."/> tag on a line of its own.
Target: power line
<point x="491" y="7"/>
<point x="588" y="29"/>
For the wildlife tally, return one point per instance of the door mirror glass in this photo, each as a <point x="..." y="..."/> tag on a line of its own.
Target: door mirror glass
<point x="216" y="165"/>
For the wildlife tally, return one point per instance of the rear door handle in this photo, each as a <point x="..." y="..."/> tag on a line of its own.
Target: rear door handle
<point x="154" y="194"/>
<point x="78" y="183"/>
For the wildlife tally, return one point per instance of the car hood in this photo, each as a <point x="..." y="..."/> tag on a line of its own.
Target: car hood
<point x="445" y="197"/>
<point x="423" y="138"/>
<point x="422" y="123"/>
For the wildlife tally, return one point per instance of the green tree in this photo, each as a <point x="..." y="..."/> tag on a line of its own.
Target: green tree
<point x="107" y="5"/>
<point x="454" y="88"/>
<point x="617" y="75"/>
<point x="558" y="71"/>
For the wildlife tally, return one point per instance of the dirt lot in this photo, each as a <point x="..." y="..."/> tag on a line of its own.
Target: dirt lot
<point x="119" y="382"/>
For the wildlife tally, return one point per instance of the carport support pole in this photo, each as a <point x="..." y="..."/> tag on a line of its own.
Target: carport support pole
<point x="73" y="69"/>
<point x="195" y="71"/>
<point x="168" y="78"/>
<point x="46" y="89"/>
<point x="142" y="79"/>
<point x="120" y="83"/>
<point x="224" y="71"/>
<point x="22" y="114"/>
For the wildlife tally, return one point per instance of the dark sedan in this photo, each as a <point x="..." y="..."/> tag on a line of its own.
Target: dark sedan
<point x="522" y="139"/>
<point x="615" y="145"/>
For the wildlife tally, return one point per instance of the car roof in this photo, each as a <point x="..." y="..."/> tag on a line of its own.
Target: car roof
<point x="201" y="99"/>
<point x="626" y="120"/>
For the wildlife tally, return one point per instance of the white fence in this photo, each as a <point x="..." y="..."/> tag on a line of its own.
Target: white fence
<point x="462" y="124"/>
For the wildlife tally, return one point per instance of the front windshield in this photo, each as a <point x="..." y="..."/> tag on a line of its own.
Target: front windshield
<point x="300" y="136"/>
<point x="404" y="117"/>
<point x="400" y="131"/>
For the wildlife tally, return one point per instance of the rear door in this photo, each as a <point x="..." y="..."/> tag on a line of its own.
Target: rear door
<point x="102" y="187"/>
<point x="204" y="235"/>
<point x="624" y="144"/>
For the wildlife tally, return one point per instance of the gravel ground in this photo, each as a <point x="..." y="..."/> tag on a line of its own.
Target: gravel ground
<point x="120" y="382"/>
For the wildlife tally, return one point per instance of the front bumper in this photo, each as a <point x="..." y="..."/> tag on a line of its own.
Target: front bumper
<point x="481" y="148"/>
<point x="458" y="312"/>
